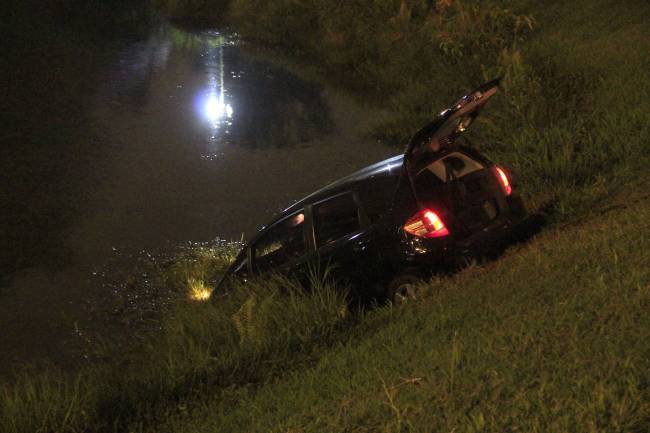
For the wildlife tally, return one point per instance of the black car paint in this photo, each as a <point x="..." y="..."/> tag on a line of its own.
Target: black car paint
<point x="386" y="196"/>
<point x="367" y="258"/>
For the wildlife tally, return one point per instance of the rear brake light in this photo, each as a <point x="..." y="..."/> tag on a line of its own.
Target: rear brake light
<point x="426" y="224"/>
<point x="503" y="180"/>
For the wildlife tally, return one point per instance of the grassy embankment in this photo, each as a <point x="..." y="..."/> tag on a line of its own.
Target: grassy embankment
<point x="552" y="337"/>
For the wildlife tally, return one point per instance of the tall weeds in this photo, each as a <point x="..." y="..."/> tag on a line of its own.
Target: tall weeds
<point x="236" y="339"/>
<point x="572" y="119"/>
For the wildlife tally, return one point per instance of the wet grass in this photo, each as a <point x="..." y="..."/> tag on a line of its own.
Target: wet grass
<point x="193" y="273"/>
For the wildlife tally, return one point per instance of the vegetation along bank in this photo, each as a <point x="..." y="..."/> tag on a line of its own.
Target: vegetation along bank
<point x="551" y="337"/>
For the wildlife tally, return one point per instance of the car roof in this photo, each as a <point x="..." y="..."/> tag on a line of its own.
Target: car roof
<point x="391" y="167"/>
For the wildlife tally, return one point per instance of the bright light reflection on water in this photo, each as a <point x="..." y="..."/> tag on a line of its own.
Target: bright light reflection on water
<point x="216" y="109"/>
<point x="212" y="105"/>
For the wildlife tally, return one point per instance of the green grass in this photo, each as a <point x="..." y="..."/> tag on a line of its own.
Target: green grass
<point x="562" y="349"/>
<point x="573" y="112"/>
<point x="551" y="337"/>
<point x="193" y="273"/>
<point x="240" y="339"/>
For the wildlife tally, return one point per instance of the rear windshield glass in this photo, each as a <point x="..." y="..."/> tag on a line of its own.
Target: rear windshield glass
<point x="335" y="218"/>
<point x="282" y="243"/>
<point x="452" y="166"/>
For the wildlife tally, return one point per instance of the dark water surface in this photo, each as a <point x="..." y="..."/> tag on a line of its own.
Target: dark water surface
<point x="138" y="138"/>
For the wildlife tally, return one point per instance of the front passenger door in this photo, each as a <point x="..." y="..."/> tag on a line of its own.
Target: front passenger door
<point x="282" y="247"/>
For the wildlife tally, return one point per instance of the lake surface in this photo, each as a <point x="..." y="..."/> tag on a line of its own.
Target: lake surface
<point x="121" y="143"/>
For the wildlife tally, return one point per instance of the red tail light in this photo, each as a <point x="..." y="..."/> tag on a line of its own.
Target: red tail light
<point x="503" y="179"/>
<point x="426" y="224"/>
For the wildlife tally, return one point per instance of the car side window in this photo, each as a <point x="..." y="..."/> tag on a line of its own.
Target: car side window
<point x="281" y="243"/>
<point x="377" y="195"/>
<point x="335" y="218"/>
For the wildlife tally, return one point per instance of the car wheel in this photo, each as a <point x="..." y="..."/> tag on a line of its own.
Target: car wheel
<point x="402" y="288"/>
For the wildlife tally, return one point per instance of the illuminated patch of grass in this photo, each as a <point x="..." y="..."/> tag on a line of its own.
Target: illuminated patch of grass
<point x="194" y="272"/>
<point x="198" y="290"/>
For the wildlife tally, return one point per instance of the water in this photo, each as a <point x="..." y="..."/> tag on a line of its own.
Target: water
<point x="122" y="143"/>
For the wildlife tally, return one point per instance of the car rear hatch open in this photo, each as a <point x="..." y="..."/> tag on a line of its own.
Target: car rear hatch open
<point x="460" y="185"/>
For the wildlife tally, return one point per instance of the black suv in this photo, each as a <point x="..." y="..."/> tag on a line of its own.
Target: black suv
<point x="380" y="228"/>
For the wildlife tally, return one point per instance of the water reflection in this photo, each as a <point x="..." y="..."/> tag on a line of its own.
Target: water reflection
<point x="215" y="109"/>
<point x="212" y="104"/>
<point x="141" y="143"/>
<point x="221" y="94"/>
<point x="128" y="80"/>
<point x="247" y="101"/>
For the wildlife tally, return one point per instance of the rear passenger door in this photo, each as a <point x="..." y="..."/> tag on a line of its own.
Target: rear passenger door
<point x="342" y="240"/>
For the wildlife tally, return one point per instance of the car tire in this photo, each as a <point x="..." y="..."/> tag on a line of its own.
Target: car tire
<point x="401" y="289"/>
